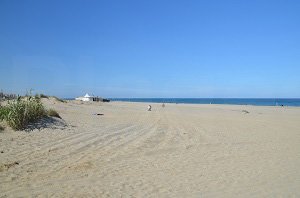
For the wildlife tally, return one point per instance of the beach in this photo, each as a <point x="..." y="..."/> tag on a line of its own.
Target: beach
<point x="119" y="149"/>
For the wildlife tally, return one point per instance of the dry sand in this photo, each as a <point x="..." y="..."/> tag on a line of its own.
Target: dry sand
<point x="177" y="151"/>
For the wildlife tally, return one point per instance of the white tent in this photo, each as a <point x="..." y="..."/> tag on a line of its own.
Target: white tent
<point x="86" y="97"/>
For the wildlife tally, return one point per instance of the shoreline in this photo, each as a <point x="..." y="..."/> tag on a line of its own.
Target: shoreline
<point x="280" y="102"/>
<point x="234" y="105"/>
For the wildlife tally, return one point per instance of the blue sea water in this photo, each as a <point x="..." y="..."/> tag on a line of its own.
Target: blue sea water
<point x="232" y="101"/>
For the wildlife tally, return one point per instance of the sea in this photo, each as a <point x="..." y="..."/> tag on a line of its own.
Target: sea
<point x="231" y="101"/>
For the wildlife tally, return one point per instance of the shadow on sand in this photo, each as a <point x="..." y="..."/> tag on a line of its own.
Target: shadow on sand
<point x="47" y="122"/>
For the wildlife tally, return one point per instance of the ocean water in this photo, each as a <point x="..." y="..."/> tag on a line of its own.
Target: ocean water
<point x="232" y="101"/>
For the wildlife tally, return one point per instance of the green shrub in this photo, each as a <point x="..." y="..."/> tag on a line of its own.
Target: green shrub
<point x="19" y="113"/>
<point x="53" y="113"/>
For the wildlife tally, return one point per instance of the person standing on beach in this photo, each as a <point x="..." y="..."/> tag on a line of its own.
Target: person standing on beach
<point x="149" y="107"/>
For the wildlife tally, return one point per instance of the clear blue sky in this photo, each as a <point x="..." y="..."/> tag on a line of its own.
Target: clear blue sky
<point x="154" y="48"/>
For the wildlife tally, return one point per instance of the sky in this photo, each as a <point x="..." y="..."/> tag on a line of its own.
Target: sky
<point x="154" y="48"/>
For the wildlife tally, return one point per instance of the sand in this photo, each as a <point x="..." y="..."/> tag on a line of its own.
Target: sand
<point x="181" y="150"/>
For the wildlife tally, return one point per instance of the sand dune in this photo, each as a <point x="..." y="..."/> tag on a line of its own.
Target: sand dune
<point x="177" y="151"/>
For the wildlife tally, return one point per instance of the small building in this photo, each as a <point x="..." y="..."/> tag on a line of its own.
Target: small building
<point x="87" y="98"/>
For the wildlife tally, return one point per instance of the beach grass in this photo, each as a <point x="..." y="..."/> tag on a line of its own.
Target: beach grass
<point x="3" y="112"/>
<point x="18" y="113"/>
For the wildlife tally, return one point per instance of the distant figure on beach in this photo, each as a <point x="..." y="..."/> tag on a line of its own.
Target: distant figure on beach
<point x="149" y="107"/>
<point x="163" y="105"/>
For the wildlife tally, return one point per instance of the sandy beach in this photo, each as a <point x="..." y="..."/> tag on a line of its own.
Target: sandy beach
<point x="182" y="150"/>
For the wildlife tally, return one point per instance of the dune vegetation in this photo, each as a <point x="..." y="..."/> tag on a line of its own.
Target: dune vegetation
<point x="20" y="112"/>
<point x="58" y="99"/>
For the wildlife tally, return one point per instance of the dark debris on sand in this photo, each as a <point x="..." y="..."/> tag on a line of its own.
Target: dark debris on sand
<point x="4" y="167"/>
